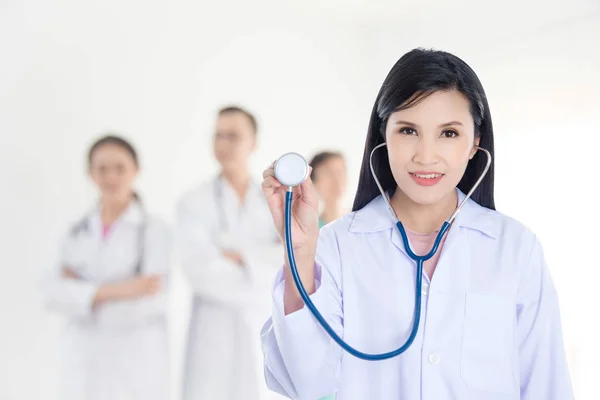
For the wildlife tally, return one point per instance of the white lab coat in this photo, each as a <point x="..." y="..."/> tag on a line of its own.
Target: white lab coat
<point x="118" y="350"/>
<point x="223" y="357"/>
<point x="489" y="329"/>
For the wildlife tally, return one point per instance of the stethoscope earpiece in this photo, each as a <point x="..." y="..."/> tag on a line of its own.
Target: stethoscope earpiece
<point x="291" y="169"/>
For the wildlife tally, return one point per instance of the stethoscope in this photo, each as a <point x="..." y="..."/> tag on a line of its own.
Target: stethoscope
<point x="84" y="226"/>
<point x="291" y="170"/>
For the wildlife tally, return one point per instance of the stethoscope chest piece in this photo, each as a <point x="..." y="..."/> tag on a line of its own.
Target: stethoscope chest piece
<point x="291" y="169"/>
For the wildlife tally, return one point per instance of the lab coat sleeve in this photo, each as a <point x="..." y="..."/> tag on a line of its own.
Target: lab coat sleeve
<point x="300" y="360"/>
<point x="71" y="297"/>
<point x="209" y="273"/>
<point x="543" y="364"/>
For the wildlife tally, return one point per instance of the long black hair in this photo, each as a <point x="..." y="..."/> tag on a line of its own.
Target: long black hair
<point x="112" y="140"/>
<point x="416" y="75"/>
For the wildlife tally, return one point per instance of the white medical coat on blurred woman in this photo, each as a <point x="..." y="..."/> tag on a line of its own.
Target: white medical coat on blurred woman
<point x="231" y="301"/>
<point x="117" y="349"/>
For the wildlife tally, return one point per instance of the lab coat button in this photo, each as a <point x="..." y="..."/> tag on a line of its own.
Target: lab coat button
<point x="434" y="358"/>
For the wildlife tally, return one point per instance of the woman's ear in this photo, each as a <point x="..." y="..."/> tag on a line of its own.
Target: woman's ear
<point x="474" y="149"/>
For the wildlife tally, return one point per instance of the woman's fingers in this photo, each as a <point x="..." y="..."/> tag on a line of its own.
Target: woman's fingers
<point x="309" y="192"/>
<point x="270" y="182"/>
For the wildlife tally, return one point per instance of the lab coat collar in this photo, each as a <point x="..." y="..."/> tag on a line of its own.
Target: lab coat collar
<point x="376" y="216"/>
<point x="133" y="214"/>
<point x="222" y="186"/>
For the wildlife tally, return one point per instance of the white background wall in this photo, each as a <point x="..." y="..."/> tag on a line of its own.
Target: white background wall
<point x="158" y="71"/>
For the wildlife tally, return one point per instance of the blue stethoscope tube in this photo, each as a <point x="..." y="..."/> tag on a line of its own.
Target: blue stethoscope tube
<point x="311" y="306"/>
<point x="418" y="259"/>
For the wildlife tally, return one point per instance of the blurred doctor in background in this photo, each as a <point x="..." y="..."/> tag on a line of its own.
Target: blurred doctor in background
<point x="110" y="284"/>
<point x="230" y="253"/>
<point x="330" y="179"/>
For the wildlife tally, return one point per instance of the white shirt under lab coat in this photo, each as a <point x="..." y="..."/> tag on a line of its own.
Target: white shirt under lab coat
<point x="490" y="326"/>
<point x="231" y="302"/>
<point x="117" y="350"/>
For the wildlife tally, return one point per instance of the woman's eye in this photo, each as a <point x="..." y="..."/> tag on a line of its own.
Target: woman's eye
<point x="407" y="131"/>
<point x="449" y="134"/>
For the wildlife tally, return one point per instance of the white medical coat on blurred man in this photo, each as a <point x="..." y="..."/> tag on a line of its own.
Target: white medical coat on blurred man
<point x="230" y="253"/>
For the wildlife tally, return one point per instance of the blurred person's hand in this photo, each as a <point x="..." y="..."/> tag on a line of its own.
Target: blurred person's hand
<point x="142" y="286"/>
<point x="233" y="256"/>
<point x="69" y="273"/>
<point x="138" y="287"/>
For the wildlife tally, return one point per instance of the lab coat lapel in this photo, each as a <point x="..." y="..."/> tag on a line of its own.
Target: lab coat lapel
<point x="453" y="266"/>
<point x="89" y="247"/>
<point x="112" y="252"/>
<point x="396" y="239"/>
<point x="451" y="260"/>
<point x="453" y="271"/>
<point x="376" y="217"/>
<point x="235" y="213"/>
<point x="228" y="206"/>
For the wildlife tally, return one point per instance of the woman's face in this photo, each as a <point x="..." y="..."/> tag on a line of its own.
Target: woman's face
<point x="330" y="179"/>
<point x="430" y="144"/>
<point x="113" y="170"/>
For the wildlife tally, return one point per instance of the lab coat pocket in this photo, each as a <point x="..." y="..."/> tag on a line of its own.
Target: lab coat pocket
<point x="487" y="343"/>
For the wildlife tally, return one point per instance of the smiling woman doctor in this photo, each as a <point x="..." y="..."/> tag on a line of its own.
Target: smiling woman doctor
<point x="489" y="323"/>
<point x="110" y="283"/>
